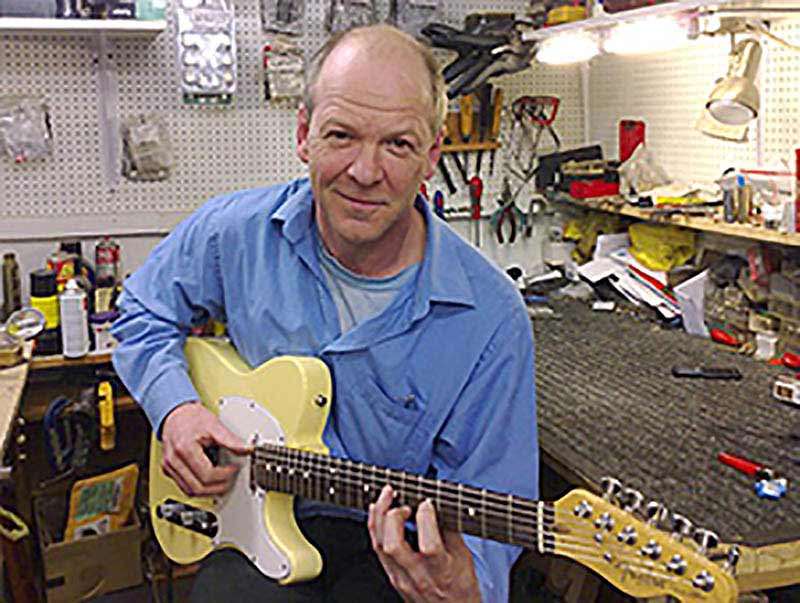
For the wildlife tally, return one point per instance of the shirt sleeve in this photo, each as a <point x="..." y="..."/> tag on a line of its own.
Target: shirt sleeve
<point x="490" y="439"/>
<point x="178" y="286"/>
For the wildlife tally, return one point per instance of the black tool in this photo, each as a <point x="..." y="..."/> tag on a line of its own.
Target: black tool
<point x="446" y="176"/>
<point x="706" y="372"/>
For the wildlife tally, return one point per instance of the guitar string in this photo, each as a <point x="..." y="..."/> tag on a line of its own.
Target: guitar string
<point x="478" y="498"/>
<point x="342" y="478"/>
<point x="535" y="523"/>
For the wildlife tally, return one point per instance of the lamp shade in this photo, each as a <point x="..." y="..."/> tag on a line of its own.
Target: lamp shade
<point x="735" y="99"/>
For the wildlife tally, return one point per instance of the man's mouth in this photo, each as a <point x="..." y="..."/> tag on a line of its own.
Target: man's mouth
<point x="360" y="201"/>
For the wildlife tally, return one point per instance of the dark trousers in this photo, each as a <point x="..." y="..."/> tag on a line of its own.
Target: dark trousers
<point x="351" y="571"/>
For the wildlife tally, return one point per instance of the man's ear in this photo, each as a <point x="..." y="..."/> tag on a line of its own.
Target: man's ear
<point x="303" y="128"/>
<point x="434" y="153"/>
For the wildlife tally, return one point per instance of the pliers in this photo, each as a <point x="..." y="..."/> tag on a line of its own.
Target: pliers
<point x="508" y="211"/>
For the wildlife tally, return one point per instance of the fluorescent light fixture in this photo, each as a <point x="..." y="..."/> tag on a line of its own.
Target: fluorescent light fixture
<point x="647" y="36"/>
<point x="735" y="100"/>
<point x="566" y="48"/>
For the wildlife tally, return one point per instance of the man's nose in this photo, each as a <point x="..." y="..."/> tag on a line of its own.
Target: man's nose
<point x="366" y="166"/>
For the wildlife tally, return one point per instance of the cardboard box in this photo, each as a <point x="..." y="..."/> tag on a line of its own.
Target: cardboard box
<point x="89" y="567"/>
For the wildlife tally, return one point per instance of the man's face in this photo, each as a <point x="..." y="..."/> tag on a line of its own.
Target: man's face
<point x="368" y="144"/>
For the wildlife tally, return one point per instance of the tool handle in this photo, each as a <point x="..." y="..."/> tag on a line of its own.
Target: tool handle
<point x="706" y="372"/>
<point x="452" y="136"/>
<point x="747" y="467"/>
<point x="466" y="117"/>
<point x="475" y="192"/>
<point x="494" y="132"/>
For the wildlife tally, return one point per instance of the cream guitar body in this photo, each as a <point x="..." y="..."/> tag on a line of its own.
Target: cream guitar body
<point x="261" y="524"/>
<point x="281" y="408"/>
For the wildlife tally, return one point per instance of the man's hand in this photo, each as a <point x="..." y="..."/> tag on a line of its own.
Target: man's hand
<point x="187" y="430"/>
<point x="441" y="571"/>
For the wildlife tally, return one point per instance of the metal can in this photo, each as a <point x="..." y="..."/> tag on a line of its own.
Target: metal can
<point x="106" y="260"/>
<point x="74" y="311"/>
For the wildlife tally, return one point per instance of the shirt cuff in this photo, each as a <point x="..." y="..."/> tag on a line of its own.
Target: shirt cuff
<point x="170" y="389"/>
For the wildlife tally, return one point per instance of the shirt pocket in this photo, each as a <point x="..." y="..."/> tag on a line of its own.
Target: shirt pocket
<point x="383" y="421"/>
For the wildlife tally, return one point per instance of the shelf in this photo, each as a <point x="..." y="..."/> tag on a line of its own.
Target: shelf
<point x="49" y="362"/>
<point x="616" y="205"/>
<point x="112" y="27"/>
<point x="657" y="10"/>
<point x="468" y="147"/>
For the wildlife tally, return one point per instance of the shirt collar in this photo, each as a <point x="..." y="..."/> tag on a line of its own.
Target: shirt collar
<point x="442" y="275"/>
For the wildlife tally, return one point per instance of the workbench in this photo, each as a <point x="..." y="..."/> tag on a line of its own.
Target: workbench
<point x="609" y="406"/>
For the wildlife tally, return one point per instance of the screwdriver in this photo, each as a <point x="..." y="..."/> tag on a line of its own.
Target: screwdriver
<point x="466" y="123"/>
<point x="494" y="132"/>
<point x="451" y="137"/>
<point x="475" y="192"/>
<point x="484" y="120"/>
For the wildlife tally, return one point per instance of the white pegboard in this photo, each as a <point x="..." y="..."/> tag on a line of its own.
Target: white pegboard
<point x="217" y="149"/>
<point x="781" y="94"/>
<point x="667" y="91"/>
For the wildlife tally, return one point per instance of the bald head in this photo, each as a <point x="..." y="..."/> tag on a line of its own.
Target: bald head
<point x="410" y="63"/>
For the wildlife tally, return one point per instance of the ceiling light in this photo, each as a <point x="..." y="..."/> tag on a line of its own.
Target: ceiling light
<point x="735" y="100"/>
<point x="573" y="47"/>
<point x="647" y="36"/>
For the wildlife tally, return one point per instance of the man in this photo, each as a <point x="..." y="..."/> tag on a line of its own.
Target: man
<point x="429" y="345"/>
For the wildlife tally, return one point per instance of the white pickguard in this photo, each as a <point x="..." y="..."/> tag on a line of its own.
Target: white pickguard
<point x="240" y="512"/>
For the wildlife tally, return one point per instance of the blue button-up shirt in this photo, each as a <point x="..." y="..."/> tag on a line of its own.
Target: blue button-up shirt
<point x="440" y="383"/>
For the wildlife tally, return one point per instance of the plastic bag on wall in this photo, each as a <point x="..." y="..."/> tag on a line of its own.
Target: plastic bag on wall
<point x="283" y="16"/>
<point x="25" y="130"/>
<point x="412" y="15"/>
<point x="346" y="14"/>
<point x="146" y="149"/>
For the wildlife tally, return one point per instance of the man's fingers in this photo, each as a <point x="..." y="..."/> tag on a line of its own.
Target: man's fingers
<point x="224" y="437"/>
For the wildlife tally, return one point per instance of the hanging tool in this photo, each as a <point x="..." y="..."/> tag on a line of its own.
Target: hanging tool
<point x="475" y="192"/>
<point x="494" y="132"/>
<point x="489" y="49"/>
<point x="768" y="484"/>
<point x="485" y="114"/>
<point x="438" y="204"/>
<point x="448" y="180"/>
<point x="452" y="137"/>
<point x="465" y="122"/>
<point x="507" y="212"/>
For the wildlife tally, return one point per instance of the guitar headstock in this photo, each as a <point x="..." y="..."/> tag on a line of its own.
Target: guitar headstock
<point x="635" y="554"/>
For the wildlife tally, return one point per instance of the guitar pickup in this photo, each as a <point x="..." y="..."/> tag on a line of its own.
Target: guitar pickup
<point x="189" y="517"/>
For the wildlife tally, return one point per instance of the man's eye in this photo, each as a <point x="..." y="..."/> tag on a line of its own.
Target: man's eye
<point x="338" y="135"/>
<point x="401" y="143"/>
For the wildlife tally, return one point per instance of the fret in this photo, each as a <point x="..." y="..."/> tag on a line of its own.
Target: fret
<point x="510" y="523"/>
<point x="439" y="496"/>
<point x="483" y="512"/>
<point x="458" y="508"/>
<point x="420" y="496"/>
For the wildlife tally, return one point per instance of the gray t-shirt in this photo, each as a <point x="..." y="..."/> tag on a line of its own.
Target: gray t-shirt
<point x="357" y="297"/>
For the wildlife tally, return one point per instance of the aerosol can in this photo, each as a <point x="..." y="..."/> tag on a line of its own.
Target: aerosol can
<point x="73" y="307"/>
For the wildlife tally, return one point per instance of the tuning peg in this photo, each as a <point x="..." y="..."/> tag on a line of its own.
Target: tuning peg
<point x="733" y="559"/>
<point x="681" y="527"/>
<point x="611" y="487"/>
<point x="657" y="513"/>
<point x="706" y="539"/>
<point x="631" y="500"/>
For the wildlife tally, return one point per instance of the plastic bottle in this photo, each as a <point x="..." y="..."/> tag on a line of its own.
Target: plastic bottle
<point x="73" y="308"/>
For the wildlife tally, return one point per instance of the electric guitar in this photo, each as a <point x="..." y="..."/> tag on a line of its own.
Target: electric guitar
<point x="281" y="408"/>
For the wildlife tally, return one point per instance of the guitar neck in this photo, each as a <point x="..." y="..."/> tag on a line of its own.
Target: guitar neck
<point x="501" y="517"/>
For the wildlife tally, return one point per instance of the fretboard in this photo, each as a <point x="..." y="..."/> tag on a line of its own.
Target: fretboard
<point x="501" y="517"/>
